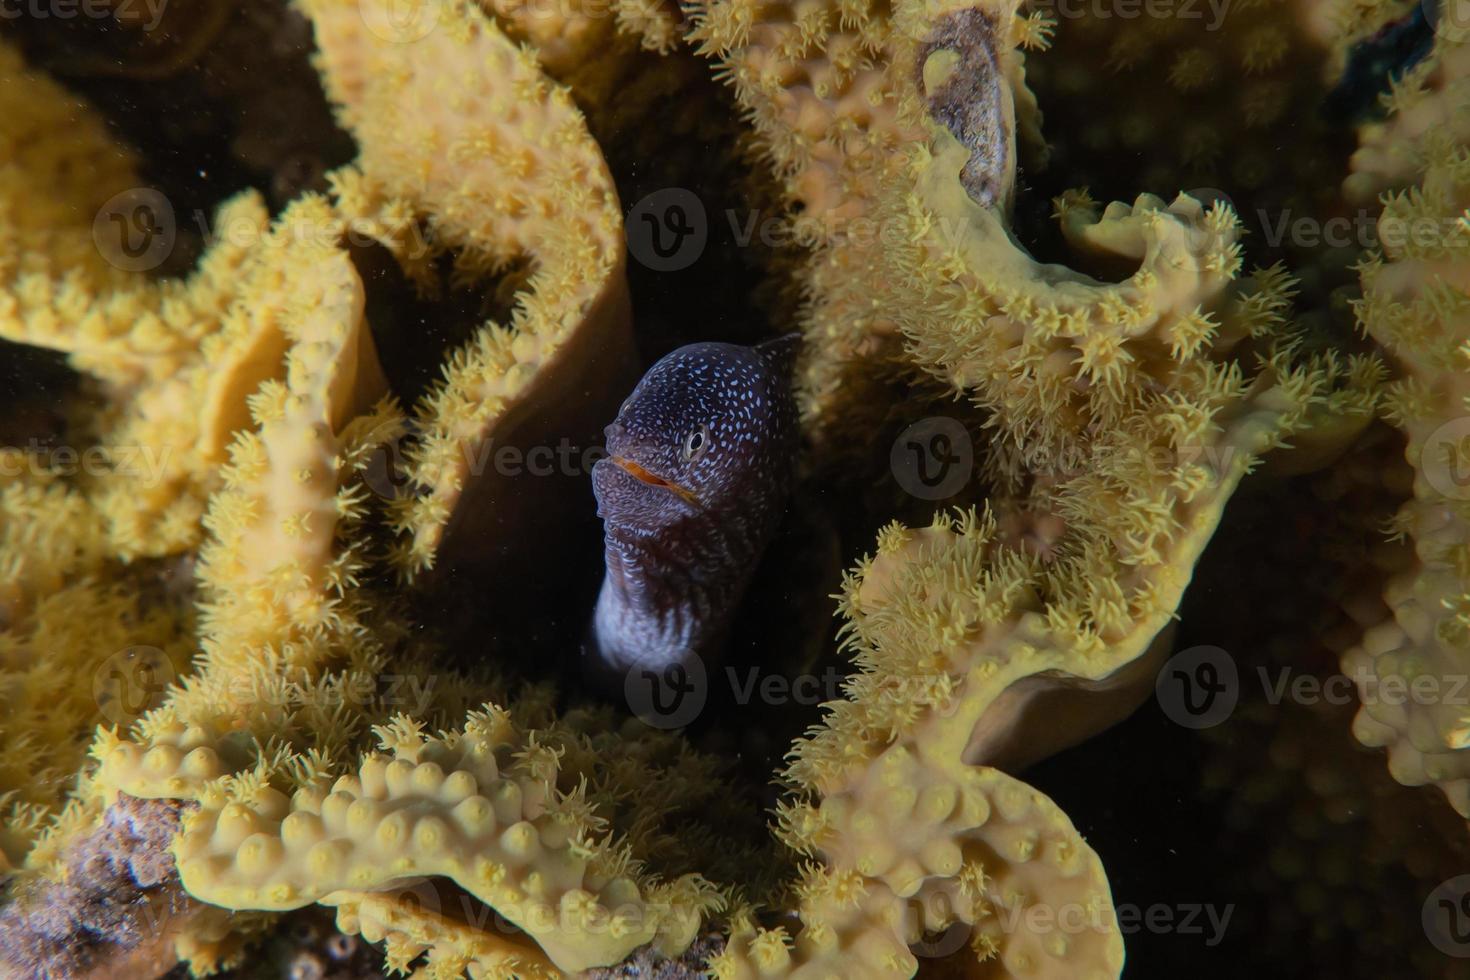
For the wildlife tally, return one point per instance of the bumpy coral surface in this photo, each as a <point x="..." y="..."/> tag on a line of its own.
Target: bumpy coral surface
<point x="1414" y="303"/>
<point x="261" y="649"/>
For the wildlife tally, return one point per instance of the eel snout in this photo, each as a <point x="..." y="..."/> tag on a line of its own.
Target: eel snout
<point x="647" y="476"/>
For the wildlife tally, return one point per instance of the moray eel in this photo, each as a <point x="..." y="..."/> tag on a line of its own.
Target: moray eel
<point x="698" y="469"/>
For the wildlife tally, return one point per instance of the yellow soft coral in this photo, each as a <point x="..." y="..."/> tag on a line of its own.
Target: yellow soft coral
<point x="177" y="359"/>
<point x="502" y="169"/>
<point x="282" y="642"/>
<point x="276" y="576"/>
<point x="58" y="167"/>
<point x="411" y="922"/>
<point x="973" y="649"/>
<point x="815" y="81"/>
<point x="1048" y="351"/>
<point x="1123" y="415"/>
<point x="916" y="263"/>
<point x="87" y="653"/>
<point x="1416" y="302"/>
<point x="1429" y="112"/>
<point x="1117" y="417"/>
<point x="918" y="844"/>
<point x="479" y="807"/>
<point x="48" y="533"/>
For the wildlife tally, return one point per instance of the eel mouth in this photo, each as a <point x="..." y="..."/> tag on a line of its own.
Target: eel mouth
<point x="653" y="479"/>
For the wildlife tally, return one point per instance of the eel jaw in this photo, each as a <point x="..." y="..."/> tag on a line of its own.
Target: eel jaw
<point x="653" y="479"/>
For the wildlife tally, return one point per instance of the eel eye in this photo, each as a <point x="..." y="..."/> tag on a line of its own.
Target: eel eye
<point x="695" y="443"/>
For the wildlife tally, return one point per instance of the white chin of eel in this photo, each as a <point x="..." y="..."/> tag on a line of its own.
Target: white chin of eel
<point x="698" y="470"/>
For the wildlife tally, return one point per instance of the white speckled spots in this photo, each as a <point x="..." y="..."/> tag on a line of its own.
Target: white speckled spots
<point x="685" y="529"/>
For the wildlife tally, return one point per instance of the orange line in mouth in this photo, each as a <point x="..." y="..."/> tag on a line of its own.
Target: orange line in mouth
<point x="653" y="479"/>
